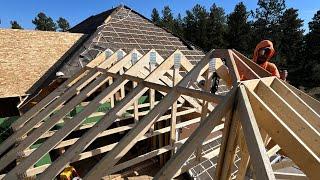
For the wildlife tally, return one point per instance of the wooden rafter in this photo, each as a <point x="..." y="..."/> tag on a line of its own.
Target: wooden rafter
<point x="258" y="109"/>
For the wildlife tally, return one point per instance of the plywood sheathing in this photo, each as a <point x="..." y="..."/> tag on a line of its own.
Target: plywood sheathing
<point x="25" y="56"/>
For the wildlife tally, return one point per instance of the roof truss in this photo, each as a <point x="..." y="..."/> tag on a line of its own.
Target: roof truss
<point x="257" y="109"/>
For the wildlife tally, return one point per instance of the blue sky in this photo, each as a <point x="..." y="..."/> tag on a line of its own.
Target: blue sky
<point x="77" y="10"/>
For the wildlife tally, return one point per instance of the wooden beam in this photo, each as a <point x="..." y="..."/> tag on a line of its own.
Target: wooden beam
<point x="109" y="118"/>
<point x="142" y="127"/>
<point x="197" y="137"/>
<point x="246" y="72"/>
<point x="204" y="110"/>
<point x="225" y="133"/>
<point x="312" y="102"/>
<point x="230" y="62"/>
<point x="296" y="103"/>
<point x="245" y="158"/>
<point x="309" y="135"/>
<point x="173" y="121"/>
<point x="185" y="91"/>
<point x="27" y="127"/>
<point x="58" y="91"/>
<point x="282" y="134"/>
<point x="36" y="134"/>
<point x="260" y="160"/>
<point x="292" y="176"/>
<point x="231" y="146"/>
<point x="65" y="130"/>
<point x="135" y="106"/>
<point x="255" y="67"/>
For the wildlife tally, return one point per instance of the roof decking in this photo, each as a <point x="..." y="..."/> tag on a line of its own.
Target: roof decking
<point x="26" y="56"/>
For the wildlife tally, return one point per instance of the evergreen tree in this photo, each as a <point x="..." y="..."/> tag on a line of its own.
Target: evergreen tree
<point x="44" y="23"/>
<point x="217" y="27"/>
<point x="15" y="25"/>
<point x="266" y="25"/>
<point x="63" y="24"/>
<point x="167" y="18"/>
<point x="239" y="29"/>
<point x="178" y="26"/>
<point x="291" y="37"/>
<point x="312" y="62"/>
<point x="155" y="17"/>
<point x="189" y="26"/>
<point x="196" y="26"/>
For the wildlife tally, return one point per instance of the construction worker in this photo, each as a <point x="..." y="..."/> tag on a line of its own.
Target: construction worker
<point x="262" y="55"/>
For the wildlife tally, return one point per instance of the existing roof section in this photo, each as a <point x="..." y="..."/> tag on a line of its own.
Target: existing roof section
<point x="124" y="28"/>
<point x="90" y="24"/>
<point x="27" y="56"/>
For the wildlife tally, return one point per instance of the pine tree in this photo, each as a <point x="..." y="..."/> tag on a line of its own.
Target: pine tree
<point x="312" y="63"/>
<point x="196" y="26"/>
<point x="189" y="26"/>
<point x="167" y="18"/>
<point x="44" y="23"/>
<point x="63" y="24"/>
<point x="178" y="26"/>
<point x="291" y="37"/>
<point x="239" y="29"/>
<point x="266" y="25"/>
<point x="15" y="25"/>
<point x="217" y="27"/>
<point x="155" y="17"/>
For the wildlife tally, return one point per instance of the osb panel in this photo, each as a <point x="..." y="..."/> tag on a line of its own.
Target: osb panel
<point x="26" y="55"/>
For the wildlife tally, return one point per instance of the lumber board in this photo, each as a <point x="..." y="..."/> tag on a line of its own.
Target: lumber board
<point x="173" y="121"/>
<point x="43" y="114"/>
<point x="309" y="135"/>
<point x="65" y="130"/>
<point x="48" y="99"/>
<point x="245" y="71"/>
<point x="256" y="148"/>
<point x="58" y="91"/>
<point x="128" y="141"/>
<point x="111" y="60"/>
<point x="245" y="158"/>
<point x="40" y="169"/>
<point x="273" y="150"/>
<point x="292" y="176"/>
<point x="313" y="103"/>
<point x="197" y="137"/>
<point x="107" y="132"/>
<point x="296" y="150"/>
<point x="109" y="147"/>
<point x="204" y="109"/>
<point x="110" y="117"/>
<point x="185" y="91"/>
<point x="37" y="133"/>
<point x="230" y="62"/>
<point x="255" y="67"/>
<point x="57" y="137"/>
<point x="223" y="146"/>
<point x="142" y="127"/>
<point x="231" y="146"/>
<point x="297" y="103"/>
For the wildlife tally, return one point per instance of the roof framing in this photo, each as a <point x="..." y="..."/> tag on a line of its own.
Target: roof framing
<point x="257" y="109"/>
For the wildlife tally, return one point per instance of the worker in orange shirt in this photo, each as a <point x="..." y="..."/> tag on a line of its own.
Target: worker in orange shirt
<point x="262" y="54"/>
